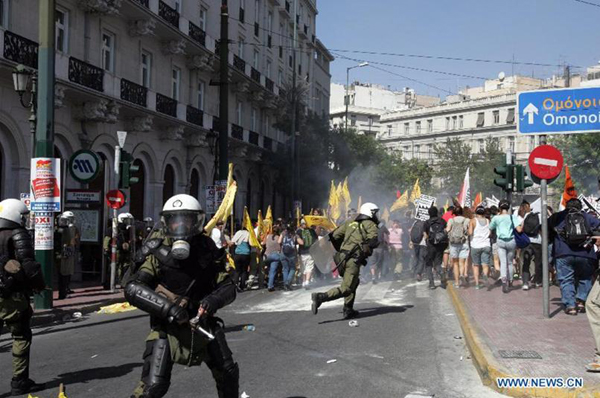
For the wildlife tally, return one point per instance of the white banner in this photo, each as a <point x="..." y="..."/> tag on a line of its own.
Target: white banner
<point x="422" y="207"/>
<point x="44" y="231"/>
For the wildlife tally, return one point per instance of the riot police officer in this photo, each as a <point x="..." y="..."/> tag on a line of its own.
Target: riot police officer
<point x="354" y="241"/>
<point x="68" y="233"/>
<point x="183" y="277"/>
<point x="20" y="276"/>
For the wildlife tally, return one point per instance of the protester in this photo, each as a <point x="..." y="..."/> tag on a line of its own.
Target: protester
<point x="504" y="224"/>
<point x="376" y="261"/>
<point x="418" y="244"/>
<point x="241" y="257"/>
<point x="288" y="240"/>
<point x="532" y="225"/>
<point x="272" y="255"/>
<point x="437" y="241"/>
<point x="448" y="214"/>
<point x="307" y="264"/>
<point x="218" y="236"/>
<point x="574" y="253"/>
<point x="396" y="245"/>
<point x="481" y="250"/>
<point x="592" y="306"/>
<point x="457" y="229"/>
<point x="69" y="251"/>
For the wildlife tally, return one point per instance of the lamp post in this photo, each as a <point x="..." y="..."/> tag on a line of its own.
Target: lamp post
<point x="347" y="98"/>
<point x="25" y="81"/>
<point x="212" y="139"/>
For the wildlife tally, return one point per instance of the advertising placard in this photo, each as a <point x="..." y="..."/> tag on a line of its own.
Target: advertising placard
<point x="88" y="223"/>
<point x="44" y="231"/>
<point x="45" y="185"/>
<point x="209" y="191"/>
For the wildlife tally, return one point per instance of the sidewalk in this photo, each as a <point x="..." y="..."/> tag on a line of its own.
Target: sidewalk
<point x="493" y="322"/>
<point x="84" y="300"/>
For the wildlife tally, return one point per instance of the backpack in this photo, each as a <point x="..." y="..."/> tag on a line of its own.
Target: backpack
<point x="308" y="238"/>
<point x="287" y="246"/>
<point x="531" y="224"/>
<point x="457" y="234"/>
<point x="576" y="230"/>
<point x="416" y="233"/>
<point x="437" y="234"/>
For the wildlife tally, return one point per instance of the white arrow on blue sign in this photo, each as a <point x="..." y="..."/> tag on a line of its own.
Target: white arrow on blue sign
<point x="569" y="110"/>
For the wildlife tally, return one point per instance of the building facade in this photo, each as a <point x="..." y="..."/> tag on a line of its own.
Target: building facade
<point x="150" y="67"/>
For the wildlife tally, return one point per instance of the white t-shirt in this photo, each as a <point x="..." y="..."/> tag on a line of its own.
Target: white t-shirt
<point x="217" y="236"/>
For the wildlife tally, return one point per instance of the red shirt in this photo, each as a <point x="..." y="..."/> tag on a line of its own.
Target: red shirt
<point x="447" y="216"/>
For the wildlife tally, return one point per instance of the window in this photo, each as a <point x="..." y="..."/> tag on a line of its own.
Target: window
<point x="496" y="117"/>
<point x="448" y="123"/>
<point x="268" y="70"/>
<point x="175" y="83"/>
<point x="481" y="144"/>
<point x="241" y="48"/>
<point x="454" y="119"/>
<point x="417" y="150"/>
<point x="280" y="78"/>
<point x="430" y="126"/>
<point x="352" y="120"/>
<point x="201" y="88"/>
<point x="406" y="128"/>
<point x="532" y="142"/>
<point x="370" y="121"/>
<point x="242" y="11"/>
<point x="406" y="150"/>
<point x="108" y="51"/>
<point x="239" y="110"/>
<point x="253" y="121"/>
<point x="4" y="11"/>
<point x="430" y="151"/>
<point x="418" y="126"/>
<point x="61" y="29"/>
<point x="511" y="144"/>
<point x="390" y="127"/>
<point x="146" y="69"/>
<point x="510" y="118"/>
<point x="178" y="6"/>
<point x="255" y="58"/>
<point x="480" y="119"/>
<point x="202" y="18"/>
<point x="461" y="122"/>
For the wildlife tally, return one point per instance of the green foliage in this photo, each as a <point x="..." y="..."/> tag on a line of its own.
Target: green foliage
<point x="455" y="156"/>
<point x="582" y="154"/>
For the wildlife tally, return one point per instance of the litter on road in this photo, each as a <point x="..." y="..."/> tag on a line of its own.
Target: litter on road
<point x="353" y="324"/>
<point x="116" y="308"/>
<point x="332" y="361"/>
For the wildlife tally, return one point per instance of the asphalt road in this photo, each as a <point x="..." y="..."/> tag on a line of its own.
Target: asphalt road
<point x="408" y="344"/>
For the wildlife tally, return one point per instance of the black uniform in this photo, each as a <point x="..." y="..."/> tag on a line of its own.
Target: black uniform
<point x="172" y="291"/>
<point x="20" y="276"/>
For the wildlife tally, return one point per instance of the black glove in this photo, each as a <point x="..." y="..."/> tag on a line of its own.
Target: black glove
<point x="366" y="249"/>
<point x="178" y="315"/>
<point x="210" y="305"/>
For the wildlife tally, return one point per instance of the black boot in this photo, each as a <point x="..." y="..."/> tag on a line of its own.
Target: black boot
<point x="317" y="300"/>
<point x="24" y="386"/>
<point x="350" y="313"/>
<point x="444" y="282"/>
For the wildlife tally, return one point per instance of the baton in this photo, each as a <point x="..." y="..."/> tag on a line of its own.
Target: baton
<point x="195" y="324"/>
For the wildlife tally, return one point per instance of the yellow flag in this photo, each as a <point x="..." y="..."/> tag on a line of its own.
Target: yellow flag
<point x="446" y="206"/>
<point x="346" y="194"/>
<point x="416" y="192"/>
<point x="320" y="221"/>
<point x="401" y="202"/>
<point x="269" y="221"/>
<point x="341" y="198"/>
<point x="248" y="225"/>
<point x="261" y="226"/>
<point x="224" y="209"/>
<point x="359" y="203"/>
<point x="386" y="215"/>
<point x="334" y="203"/>
<point x="230" y="175"/>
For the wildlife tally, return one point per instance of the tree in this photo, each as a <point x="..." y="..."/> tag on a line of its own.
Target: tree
<point x="582" y="154"/>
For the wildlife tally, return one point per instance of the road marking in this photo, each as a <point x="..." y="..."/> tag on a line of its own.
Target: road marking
<point x="376" y="292"/>
<point x="423" y="290"/>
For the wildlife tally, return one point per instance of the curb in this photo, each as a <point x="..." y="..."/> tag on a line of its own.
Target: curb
<point x="489" y="370"/>
<point x="58" y="315"/>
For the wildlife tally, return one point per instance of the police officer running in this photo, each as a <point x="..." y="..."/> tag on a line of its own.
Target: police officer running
<point x="354" y="241"/>
<point x="183" y="277"/>
<point x="20" y="276"/>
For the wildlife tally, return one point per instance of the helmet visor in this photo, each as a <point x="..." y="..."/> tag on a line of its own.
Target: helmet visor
<point x="182" y="224"/>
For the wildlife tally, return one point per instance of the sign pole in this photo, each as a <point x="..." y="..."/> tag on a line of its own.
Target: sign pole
<point x="543" y="212"/>
<point x="113" y="243"/>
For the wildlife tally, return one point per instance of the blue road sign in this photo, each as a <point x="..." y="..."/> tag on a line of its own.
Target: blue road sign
<point x="569" y="110"/>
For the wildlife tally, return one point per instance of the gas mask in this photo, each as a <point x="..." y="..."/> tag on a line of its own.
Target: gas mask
<point x="181" y="226"/>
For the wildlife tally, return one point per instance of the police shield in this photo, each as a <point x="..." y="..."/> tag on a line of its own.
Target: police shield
<point x="322" y="253"/>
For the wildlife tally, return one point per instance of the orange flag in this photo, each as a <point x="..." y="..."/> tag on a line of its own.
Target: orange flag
<point x="570" y="192"/>
<point x="478" y="200"/>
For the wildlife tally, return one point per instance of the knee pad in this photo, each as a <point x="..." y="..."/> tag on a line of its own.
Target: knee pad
<point x="158" y="381"/>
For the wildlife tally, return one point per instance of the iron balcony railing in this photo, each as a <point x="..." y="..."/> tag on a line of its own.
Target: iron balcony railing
<point x="194" y="116"/>
<point x="253" y="138"/>
<point x="86" y="74"/>
<point x="239" y="64"/>
<point x="255" y="75"/>
<point x="20" y="50"/>
<point x="166" y="105"/>
<point x="134" y="93"/>
<point x="168" y="13"/>
<point x="237" y="132"/>
<point x="197" y="34"/>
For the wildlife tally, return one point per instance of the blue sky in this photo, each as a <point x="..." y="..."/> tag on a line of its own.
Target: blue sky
<point x="540" y="31"/>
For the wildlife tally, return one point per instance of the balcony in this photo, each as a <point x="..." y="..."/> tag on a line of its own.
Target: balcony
<point x="255" y="75"/>
<point x="194" y="116"/>
<point x="268" y="143"/>
<point x="86" y="74"/>
<point x="197" y="34"/>
<point x="168" y="14"/>
<point x="239" y="64"/>
<point x="237" y="132"/>
<point x="253" y="138"/>
<point x="216" y="125"/>
<point x="269" y="84"/>
<point x="145" y="3"/>
<point x="20" y="50"/>
<point x="166" y="105"/>
<point x="134" y="93"/>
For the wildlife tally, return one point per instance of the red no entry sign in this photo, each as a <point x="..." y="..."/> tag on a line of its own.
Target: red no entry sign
<point x="115" y="199"/>
<point x="545" y="162"/>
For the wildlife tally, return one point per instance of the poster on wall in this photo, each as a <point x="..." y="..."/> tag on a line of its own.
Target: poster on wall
<point x="209" y="191"/>
<point x="45" y="185"/>
<point x="44" y="231"/>
<point x="88" y="223"/>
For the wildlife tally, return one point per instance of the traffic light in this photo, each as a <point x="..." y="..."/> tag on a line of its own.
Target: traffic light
<point x="126" y="170"/>
<point x="523" y="180"/>
<point x="506" y="172"/>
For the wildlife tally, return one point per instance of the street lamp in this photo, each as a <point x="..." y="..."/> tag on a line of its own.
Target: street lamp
<point x="347" y="98"/>
<point x="22" y="78"/>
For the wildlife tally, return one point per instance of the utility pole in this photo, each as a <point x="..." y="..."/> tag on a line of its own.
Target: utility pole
<point x="224" y="94"/>
<point x="567" y="75"/>
<point x="44" y="133"/>
<point x="294" y="110"/>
